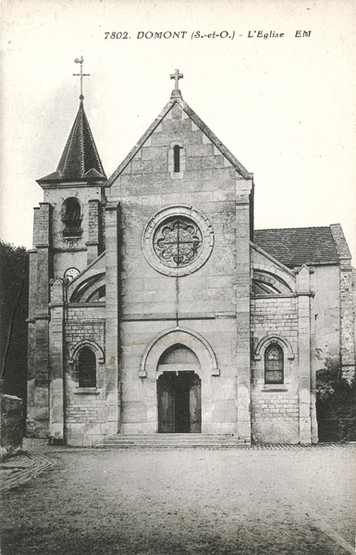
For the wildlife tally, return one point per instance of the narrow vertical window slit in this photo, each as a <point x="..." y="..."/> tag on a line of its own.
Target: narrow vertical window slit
<point x="176" y="154"/>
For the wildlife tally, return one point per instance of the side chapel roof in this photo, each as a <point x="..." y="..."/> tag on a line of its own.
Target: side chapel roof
<point x="80" y="160"/>
<point x="305" y="245"/>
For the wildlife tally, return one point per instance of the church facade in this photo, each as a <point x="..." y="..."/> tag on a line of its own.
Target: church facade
<point x="156" y="307"/>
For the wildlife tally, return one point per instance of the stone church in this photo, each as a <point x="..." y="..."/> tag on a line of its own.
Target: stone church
<point x="157" y="308"/>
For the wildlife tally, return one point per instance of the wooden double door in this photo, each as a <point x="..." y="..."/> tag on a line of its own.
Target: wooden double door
<point x="179" y="402"/>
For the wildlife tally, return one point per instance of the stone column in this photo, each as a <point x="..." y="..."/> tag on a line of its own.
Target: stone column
<point x="39" y="414"/>
<point x="56" y="369"/>
<point x="243" y="357"/>
<point x="347" y="324"/>
<point x="304" y="351"/>
<point x="347" y="316"/>
<point x="112" y="318"/>
<point x="313" y="368"/>
<point x="31" y="342"/>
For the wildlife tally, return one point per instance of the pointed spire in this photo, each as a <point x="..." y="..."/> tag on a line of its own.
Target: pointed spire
<point x="80" y="159"/>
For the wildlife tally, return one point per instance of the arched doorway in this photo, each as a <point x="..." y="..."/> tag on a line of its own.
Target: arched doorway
<point x="179" y="391"/>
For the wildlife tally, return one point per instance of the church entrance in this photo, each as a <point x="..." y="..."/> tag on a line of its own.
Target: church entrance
<point x="179" y="402"/>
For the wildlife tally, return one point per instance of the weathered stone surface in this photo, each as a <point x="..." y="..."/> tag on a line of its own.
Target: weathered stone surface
<point x="130" y="310"/>
<point x="11" y="424"/>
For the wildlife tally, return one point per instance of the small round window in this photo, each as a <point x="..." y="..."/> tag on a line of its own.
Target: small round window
<point x="178" y="240"/>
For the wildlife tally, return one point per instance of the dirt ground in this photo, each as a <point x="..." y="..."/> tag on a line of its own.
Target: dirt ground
<point x="186" y="502"/>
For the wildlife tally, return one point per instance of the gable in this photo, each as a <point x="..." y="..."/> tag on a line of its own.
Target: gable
<point x="178" y="110"/>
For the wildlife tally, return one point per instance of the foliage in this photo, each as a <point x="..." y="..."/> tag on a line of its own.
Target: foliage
<point x="336" y="405"/>
<point x="326" y="384"/>
<point x="13" y="314"/>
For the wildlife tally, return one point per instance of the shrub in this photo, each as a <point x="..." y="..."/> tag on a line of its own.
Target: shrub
<point x="335" y="405"/>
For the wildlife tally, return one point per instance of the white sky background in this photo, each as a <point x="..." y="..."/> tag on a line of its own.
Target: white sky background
<point x="285" y="107"/>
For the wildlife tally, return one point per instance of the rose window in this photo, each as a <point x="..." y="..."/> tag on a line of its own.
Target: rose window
<point x="177" y="242"/>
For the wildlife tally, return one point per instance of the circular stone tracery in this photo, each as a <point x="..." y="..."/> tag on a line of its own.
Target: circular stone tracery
<point x="178" y="240"/>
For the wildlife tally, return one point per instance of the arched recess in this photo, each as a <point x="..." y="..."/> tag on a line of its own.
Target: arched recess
<point x="267" y="270"/>
<point x="268" y="340"/>
<point x="75" y="350"/>
<point x="179" y="391"/>
<point x="98" y="295"/>
<point x="86" y="289"/>
<point x="74" y="359"/>
<point x="176" y="358"/>
<point x="266" y="283"/>
<point x="190" y="339"/>
<point x="87" y="368"/>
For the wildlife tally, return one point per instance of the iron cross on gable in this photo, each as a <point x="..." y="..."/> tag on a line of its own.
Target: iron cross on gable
<point x="176" y="76"/>
<point x="81" y="75"/>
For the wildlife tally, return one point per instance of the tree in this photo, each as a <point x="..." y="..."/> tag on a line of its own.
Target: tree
<point x="13" y="314"/>
<point x="335" y="405"/>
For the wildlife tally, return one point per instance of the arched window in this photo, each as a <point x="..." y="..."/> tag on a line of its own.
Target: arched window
<point x="71" y="217"/>
<point x="274" y="373"/>
<point x="87" y="368"/>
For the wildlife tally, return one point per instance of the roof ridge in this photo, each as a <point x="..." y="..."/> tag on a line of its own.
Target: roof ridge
<point x="81" y="138"/>
<point x="196" y="119"/>
<point x="287" y="228"/>
<point x="94" y="149"/>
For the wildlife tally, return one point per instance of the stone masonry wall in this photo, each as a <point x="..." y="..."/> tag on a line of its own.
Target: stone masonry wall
<point x="347" y="321"/>
<point x="347" y="325"/>
<point x="85" y="410"/>
<point x="275" y="408"/>
<point x="11" y="424"/>
<point x="152" y="302"/>
<point x="40" y="274"/>
<point x="139" y="403"/>
<point x="73" y="251"/>
<point x="325" y="281"/>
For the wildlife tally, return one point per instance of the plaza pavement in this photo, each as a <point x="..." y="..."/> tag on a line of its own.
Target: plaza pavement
<point x="261" y="500"/>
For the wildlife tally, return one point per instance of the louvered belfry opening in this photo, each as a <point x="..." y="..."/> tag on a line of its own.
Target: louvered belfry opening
<point x="71" y="217"/>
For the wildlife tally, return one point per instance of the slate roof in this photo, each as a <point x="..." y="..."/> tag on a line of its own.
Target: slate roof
<point x="299" y="245"/>
<point x="80" y="159"/>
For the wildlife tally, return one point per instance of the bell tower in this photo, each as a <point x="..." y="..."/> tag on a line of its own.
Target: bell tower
<point x="67" y="237"/>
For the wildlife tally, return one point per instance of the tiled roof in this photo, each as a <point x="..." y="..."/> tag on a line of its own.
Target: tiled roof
<point x="80" y="158"/>
<point x="299" y="245"/>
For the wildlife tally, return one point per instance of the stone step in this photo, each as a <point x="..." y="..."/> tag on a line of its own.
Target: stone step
<point x="170" y="441"/>
<point x="171" y="437"/>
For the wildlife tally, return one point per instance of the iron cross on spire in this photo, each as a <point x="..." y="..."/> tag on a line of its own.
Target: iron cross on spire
<point x="81" y="75"/>
<point x="176" y="76"/>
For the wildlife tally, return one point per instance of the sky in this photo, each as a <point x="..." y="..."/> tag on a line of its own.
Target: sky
<point x="283" y="105"/>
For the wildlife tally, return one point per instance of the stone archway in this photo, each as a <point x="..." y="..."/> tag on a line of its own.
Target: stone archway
<point x="194" y="373"/>
<point x="190" y="339"/>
